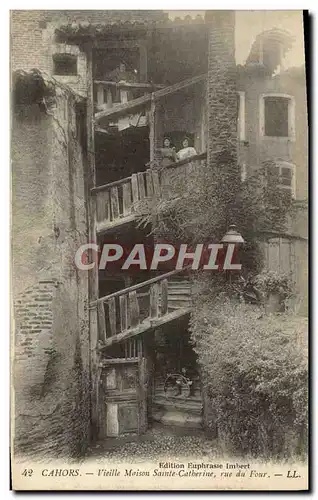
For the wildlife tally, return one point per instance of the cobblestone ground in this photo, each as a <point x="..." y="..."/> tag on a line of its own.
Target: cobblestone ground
<point x="158" y="442"/>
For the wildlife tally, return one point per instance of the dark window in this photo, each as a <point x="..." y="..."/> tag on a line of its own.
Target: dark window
<point x="286" y="176"/>
<point x="276" y="116"/>
<point x="281" y="175"/>
<point x="65" y="64"/>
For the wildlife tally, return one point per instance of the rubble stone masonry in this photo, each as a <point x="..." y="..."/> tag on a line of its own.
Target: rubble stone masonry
<point x="50" y="296"/>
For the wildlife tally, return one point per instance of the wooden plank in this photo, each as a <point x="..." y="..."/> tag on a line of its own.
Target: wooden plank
<point x="112" y="420"/>
<point x="123" y="108"/>
<point x="127" y="202"/>
<point x="149" y="184"/>
<point x="152" y="121"/>
<point x="114" y="202"/>
<point x="133" y="309"/>
<point x="100" y="95"/>
<point x="103" y="206"/>
<point x="156" y="182"/>
<point x="105" y="187"/>
<point x="129" y="349"/>
<point x="154" y="301"/>
<point x="164" y="297"/>
<point x="129" y="85"/>
<point x="104" y="227"/>
<point x="101" y="322"/>
<point x="109" y="99"/>
<point x="112" y="315"/>
<point x="123" y="313"/>
<point x="93" y="276"/>
<point x="134" y="188"/>
<point x="142" y="396"/>
<point x="179" y="86"/>
<point x="139" y="341"/>
<point x="141" y="185"/>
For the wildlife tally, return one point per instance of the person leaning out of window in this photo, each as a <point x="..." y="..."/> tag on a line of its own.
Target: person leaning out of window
<point x="186" y="151"/>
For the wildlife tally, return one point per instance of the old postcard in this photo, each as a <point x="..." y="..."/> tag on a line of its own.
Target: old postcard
<point x="159" y="250"/>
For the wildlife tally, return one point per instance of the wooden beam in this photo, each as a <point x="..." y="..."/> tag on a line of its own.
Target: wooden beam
<point x="179" y="86"/>
<point x="104" y="187"/>
<point x="123" y="108"/>
<point x="117" y="361"/>
<point x="93" y="276"/>
<point x="103" y="227"/>
<point x="129" y="85"/>
<point x="141" y="101"/>
<point x="152" y="137"/>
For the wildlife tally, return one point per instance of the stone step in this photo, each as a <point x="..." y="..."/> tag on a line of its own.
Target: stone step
<point x="177" y="418"/>
<point x="193" y="406"/>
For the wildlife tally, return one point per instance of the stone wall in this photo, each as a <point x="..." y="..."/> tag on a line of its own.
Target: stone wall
<point x="50" y="297"/>
<point x="33" y="40"/>
<point x="221" y="89"/>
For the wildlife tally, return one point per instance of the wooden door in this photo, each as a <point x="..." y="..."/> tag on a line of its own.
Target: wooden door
<point x="124" y="395"/>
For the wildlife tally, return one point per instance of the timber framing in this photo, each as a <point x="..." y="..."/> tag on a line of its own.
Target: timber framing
<point x="146" y="325"/>
<point x="129" y="106"/>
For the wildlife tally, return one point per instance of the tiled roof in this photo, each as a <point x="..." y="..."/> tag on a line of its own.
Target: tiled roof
<point x="86" y="28"/>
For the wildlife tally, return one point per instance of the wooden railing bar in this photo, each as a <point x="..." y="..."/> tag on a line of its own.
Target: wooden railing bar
<point x="110" y="185"/>
<point x="139" y="285"/>
<point x="122" y="85"/>
<point x="200" y="156"/>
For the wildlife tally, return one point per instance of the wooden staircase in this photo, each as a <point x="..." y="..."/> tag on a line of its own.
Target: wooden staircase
<point x="142" y="307"/>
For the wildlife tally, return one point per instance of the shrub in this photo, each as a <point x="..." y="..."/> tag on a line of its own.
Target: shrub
<point x="254" y="369"/>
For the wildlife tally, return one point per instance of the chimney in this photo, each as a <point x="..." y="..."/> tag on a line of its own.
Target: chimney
<point x="221" y="92"/>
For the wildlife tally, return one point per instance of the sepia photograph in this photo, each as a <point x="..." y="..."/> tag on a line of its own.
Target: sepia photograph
<point x="159" y="250"/>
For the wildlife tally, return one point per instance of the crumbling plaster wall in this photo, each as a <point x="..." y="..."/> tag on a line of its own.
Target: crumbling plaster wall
<point x="50" y="296"/>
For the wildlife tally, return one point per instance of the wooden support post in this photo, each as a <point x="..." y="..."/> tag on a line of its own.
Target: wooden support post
<point x="129" y="349"/>
<point x="152" y="131"/>
<point x="134" y="189"/>
<point x="154" y="301"/>
<point x="112" y="315"/>
<point x="101" y="321"/>
<point x="93" y="275"/>
<point x="109" y="102"/>
<point x="126" y="349"/>
<point x="127" y="198"/>
<point x="141" y="185"/>
<point x="100" y="95"/>
<point x="164" y="297"/>
<point x="142" y="395"/>
<point x="103" y="206"/>
<point x="149" y="184"/>
<point x="123" y="313"/>
<point x="114" y="202"/>
<point x="133" y="309"/>
<point x="156" y="182"/>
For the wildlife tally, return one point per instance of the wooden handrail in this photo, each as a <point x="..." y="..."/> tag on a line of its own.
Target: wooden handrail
<point x="110" y="185"/>
<point x="96" y="189"/>
<point x="130" y="85"/>
<point x="139" y="285"/>
<point x="200" y="156"/>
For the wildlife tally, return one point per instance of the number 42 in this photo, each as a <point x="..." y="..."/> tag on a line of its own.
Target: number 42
<point x="27" y="472"/>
